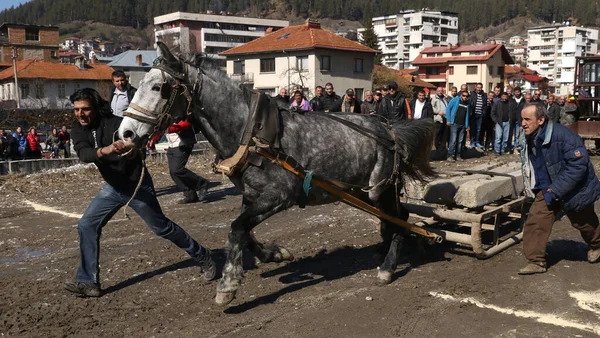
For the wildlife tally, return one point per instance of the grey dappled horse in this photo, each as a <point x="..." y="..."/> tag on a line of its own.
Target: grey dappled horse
<point x="328" y="148"/>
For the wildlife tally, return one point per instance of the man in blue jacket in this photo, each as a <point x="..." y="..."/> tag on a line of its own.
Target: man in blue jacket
<point x="457" y="117"/>
<point x="21" y="140"/>
<point x="558" y="173"/>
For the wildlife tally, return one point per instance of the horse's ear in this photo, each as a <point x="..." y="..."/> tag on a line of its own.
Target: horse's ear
<point x="163" y="51"/>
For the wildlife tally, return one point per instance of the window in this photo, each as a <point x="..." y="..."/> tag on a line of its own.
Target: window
<point x="239" y="67"/>
<point x="358" y="65"/>
<point x="2" y="92"/>
<point x="62" y="90"/>
<point x="491" y="70"/>
<point x="451" y="70"/>
<point x="39" y="90"/>
<point x="24" y="91"/>
<point x="358" y="93"/>
<point x="302" y="63"/>
<point x="501" y="71"/>
<point x="450" y="85"/>
<point x="8" y="93"/>
<point x="267" y="65"/>
<point x="77" y="86"/>
<point x="432" y="70"/>
<point x="325" y="62"/>
<point x="32" y="34"/>
<point x="490" y="87"/>
<point x="471" y="70"/>
<point x="53" y="54"/>
<point x="268" y="91"/>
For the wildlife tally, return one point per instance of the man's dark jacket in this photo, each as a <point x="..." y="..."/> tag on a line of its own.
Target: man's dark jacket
<point x="128" y="88"/>
<point x="329" y="101"/>
<point x="572" y="175"/>
<point x="554" y="112"/>
<point x="394" y="108"/>
<point x="500" y="112"/>
<point x="337" y="106"/>
<point x="283" y="102"/>
<point x="473" y="101"/>
<point x="515" y="109"/>
<point x="316" y="104"/>
<point x="116" y="171"/>
<point x="427" y="112"/>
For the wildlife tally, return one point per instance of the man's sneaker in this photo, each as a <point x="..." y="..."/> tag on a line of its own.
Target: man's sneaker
<point x="594" y="255"/>
<point x="459" y="158"/>
<point x="84" y="289"/>
<point x="532" y="268"/>
<point x="207" y="265"/>
<point x="450" y="159"/>
<point x="479" y="145"/>
<point x="201" y="193"/>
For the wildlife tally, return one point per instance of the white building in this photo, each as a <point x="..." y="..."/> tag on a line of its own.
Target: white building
<point x="515" y="40"/>
<point x="552" y="50"/>
<point x="404" y="35"/>
<point x="47" y="85"/>
<point x="302" y="56"/>
<point x="209" y="33"/>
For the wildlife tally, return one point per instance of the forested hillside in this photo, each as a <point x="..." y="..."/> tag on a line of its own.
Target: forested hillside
<point x="139" y="13"/>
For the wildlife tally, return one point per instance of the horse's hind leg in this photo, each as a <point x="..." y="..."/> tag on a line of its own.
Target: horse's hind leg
<point x="268" y="252"/>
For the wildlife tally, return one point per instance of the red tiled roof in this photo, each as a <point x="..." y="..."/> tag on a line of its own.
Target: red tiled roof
<point x="491" y="48"/>
<point x="68" y="54"/>
<point x="514" y="69"/>
<point x="532" y="78"/>
<point x="37" y="69"/>
<point x="303" y="37"/>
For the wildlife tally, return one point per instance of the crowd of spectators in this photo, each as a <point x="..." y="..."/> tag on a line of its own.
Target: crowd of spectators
<point x="20" y="145"/>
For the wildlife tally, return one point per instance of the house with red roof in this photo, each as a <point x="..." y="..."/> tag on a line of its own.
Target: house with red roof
<point x="452" y="66"/>
<point x="305" y="56"/>
<point x="48" y="85"/>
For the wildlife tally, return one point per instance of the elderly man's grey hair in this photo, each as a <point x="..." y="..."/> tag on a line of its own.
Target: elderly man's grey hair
<point x="540" y="110"/>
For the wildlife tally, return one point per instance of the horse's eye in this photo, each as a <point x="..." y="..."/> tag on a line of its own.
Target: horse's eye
<point x="156" y="88"/>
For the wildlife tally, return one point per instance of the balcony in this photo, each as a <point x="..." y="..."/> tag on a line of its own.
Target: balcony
<point x="243" y="78"/>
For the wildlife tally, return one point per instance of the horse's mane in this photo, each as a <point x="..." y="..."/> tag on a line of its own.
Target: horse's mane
<point x="207" y="63"/>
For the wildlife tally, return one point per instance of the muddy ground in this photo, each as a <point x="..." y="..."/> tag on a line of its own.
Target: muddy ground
<point x="153" y="289"/>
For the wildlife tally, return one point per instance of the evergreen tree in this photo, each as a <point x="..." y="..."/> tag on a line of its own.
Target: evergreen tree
<point x="369" y="39"/>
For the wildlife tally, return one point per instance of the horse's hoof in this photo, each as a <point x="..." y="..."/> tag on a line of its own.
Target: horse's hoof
<point x="384" y="277"/>
<point x="224" y="298"/>
<point x="286" y="255"/>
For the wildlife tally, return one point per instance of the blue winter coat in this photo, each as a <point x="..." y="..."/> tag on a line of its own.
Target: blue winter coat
<point x="453" y="108"/>
<point x="571" y="172"/>
<point x="21" y="139"/>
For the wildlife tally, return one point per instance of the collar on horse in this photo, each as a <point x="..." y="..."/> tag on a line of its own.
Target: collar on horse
<point x="170" y="93"/>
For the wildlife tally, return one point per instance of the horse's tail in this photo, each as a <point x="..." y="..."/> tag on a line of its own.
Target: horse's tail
<point x="414" y="139"/>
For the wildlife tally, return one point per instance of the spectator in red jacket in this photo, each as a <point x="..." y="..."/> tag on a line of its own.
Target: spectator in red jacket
<point x="65" y="141"/>
<point x="33" y="144"/>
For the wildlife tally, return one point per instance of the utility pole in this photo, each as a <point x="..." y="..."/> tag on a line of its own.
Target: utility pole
<point x="17" y="94"/>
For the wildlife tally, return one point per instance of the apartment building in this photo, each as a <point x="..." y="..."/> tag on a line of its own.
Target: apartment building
<point x="210" y="33"/>
<point x="302" y="56"/>
<point x="456" y="65"/>
<point x="31" y="42"/>
<point x="552" y="50"/>
<point x="404" y="35"/>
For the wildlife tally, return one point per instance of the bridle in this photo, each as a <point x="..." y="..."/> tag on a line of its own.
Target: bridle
<point x="172" y="94"/>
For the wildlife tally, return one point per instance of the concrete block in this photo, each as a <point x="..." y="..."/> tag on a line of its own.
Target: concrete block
<point x="481" y="192"/>
<point x="442" y="191"/>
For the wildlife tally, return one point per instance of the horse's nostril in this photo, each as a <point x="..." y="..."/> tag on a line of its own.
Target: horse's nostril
<point x="128" y="134"/>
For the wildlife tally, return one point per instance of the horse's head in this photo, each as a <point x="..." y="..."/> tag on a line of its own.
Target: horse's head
<point x="164" y="97"/>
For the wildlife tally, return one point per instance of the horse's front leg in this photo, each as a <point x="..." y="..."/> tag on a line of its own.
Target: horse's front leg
<point x="268" y="252"/>
<point x="233" y="271"/>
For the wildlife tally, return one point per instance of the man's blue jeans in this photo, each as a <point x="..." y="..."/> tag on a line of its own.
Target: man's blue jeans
<point x="457" y="134"/>
<point x="475" y="128"/>
<point x="501" y="140"/>
<point x="108" y="201"/>
<point x="516" y="133"/>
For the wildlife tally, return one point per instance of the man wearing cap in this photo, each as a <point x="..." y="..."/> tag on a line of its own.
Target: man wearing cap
<point x="349" y="104"/>
<point x="394" y="105"/>
<point x="330" y="98"/>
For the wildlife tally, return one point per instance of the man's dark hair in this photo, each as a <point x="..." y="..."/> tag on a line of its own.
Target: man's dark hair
<point x="497" y="87"/>
<point x="421" y="92"/>
<point x="454" y="88"/>
<point x="504" y="93"/>
<point x="328" y="84"/>
<point x="299" y="92"/>
<point x="317" y="87"/>
<point x="100" y="105"/>
<point x="479" y="84"/>
<point x="118" y="73"/>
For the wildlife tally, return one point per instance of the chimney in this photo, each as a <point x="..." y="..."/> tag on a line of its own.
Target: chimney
<point x="269" y="30"/>
<point x="311" y="23"/>
<point x="94" y="59"/>
<point x="80" y="62"/>
<point x="138" y="59"/>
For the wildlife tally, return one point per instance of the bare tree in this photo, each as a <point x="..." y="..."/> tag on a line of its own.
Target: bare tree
<point x="297" y="78"/>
